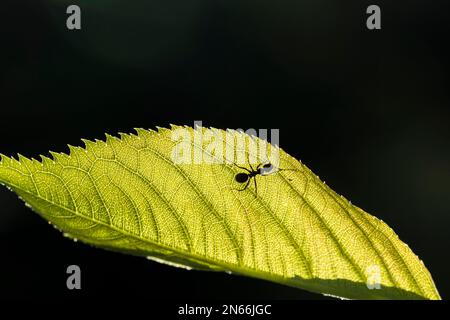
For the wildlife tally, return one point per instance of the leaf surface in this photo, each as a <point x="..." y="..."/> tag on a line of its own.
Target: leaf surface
<point x="128" y="194"/>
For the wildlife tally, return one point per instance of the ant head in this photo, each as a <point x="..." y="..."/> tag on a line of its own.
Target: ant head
<point x="266" y="168"/>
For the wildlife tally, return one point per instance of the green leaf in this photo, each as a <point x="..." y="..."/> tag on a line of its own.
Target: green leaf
<point x="131" y="194"/>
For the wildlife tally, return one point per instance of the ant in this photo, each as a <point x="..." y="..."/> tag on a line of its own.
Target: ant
<point x="246" y="177"/>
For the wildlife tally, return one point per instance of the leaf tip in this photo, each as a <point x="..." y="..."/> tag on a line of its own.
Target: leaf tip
<point x="109" y="138"/>
<point x="55" y="155"/>
<point x="23" y="160"/>
<point x="72" y="150"/>
<point x="88" y="144"/>
<point x="123" y="136"/>
<point x="3" y="158"/>
<point x="162" y="130"/>
<point x="174" y="126"/>
<point x="142" y="133"/>
<point x="45" y="160"/>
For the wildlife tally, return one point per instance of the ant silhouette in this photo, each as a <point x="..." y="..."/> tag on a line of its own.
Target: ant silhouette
<point x="261" y="169"/>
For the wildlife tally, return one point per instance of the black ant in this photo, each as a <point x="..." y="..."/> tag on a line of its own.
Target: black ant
<point x="246" y="177"/>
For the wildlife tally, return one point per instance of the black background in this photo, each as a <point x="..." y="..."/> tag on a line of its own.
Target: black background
<point x="368" y="111"/>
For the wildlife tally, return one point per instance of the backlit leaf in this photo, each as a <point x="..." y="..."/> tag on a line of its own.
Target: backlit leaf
<point x="177" y="201"/>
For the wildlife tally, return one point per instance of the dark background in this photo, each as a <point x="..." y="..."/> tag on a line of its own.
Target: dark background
<point x="368" y="111"/>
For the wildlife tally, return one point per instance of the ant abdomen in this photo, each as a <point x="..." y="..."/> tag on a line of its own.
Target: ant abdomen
<point x="241" y="177"/>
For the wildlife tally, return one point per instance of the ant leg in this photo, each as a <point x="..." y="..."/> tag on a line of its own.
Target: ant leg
<point x="245" y="187"/>
<point x="243" y="168"/>
<point x="256" y="187"/>
<point x="248" y="161"/>
<point x="281" y="169"/>
<point x="286" y="169"/>
<point x="250" y="165"/>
